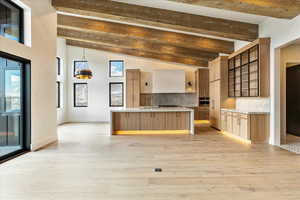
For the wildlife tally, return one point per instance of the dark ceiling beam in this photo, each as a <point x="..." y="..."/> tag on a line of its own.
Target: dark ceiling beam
<point x="129" y="43"/>
<point x="287" y="9"/>
<point x="159" y="18"/>
<point x="138" y="53"/>
<point x="142" y="33"/>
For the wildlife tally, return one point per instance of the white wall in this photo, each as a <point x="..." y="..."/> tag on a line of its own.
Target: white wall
<point x="281" y="33"/>
<point x="62" y="78"/>
<point x="43" y="72"/>
<point x="98" y="109"/>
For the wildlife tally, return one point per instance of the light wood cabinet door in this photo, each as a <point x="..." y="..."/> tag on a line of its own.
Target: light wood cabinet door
<point x="133" y="121"/>
<point x="217" y="105"/>
<point x="119" y="122"/>
<point x="133" y="88"/>
<point x="129" y="93"/>
<point x="182" y="120"/>
<point x="236" y="124"/>
<point x="126" y="121"/>
<point x="229" y="122"/>
<point x="177" y="121"/>
<point x="158" y="121"/>
<point x="244" y="127"/>
<point x="223" y="121"/>
<point x="136" y="93"/>
<point x="146" y="100"/>
<point x="211" y="72"/>
<point x="153" y="121"/>
<point x="212" y="114"/>
<point x="171" y="121"/>
<point x="146" y="121"/>
<point x="203" y="85"/>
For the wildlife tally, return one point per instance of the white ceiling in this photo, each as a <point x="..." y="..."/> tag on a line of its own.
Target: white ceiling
<point x="198" y="10"/>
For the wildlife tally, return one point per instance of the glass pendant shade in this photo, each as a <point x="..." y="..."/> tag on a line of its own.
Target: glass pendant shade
<point x="85" y="72"/>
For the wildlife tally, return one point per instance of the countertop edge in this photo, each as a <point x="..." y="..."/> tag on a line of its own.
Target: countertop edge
<point x="245" y="112"/>
<point x="152" y="110"/>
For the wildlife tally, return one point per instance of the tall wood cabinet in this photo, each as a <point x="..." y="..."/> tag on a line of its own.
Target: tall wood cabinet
<point x="218" y="90"/>
<point x="133" y="88"/>
<point x="203" y="82"/>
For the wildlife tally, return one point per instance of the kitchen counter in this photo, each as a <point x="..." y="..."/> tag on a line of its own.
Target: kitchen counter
<point x="152" y="120"/>
<point x="245" y="111"/>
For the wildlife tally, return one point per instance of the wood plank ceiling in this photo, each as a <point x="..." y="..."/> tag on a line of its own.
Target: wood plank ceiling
<point x="287" y="9"/>
<point x="148" y="42"/>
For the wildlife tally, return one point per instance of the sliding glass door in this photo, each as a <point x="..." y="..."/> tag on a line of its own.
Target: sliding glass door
<point x="12" y="98"/>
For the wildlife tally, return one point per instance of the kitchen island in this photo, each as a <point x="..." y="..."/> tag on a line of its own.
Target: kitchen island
<point x="152" y="120"/>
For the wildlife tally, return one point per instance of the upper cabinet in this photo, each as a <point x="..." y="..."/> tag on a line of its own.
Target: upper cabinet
<point x="133" y="89"/>
<point x="249" y="70"/>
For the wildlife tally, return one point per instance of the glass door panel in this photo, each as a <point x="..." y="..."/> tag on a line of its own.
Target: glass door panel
<point x="11" y="135"/>
<point x="12" y="90"/>
<point x="13" y="131"/>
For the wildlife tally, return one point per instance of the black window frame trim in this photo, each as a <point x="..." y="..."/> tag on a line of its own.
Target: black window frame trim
<point x="58" y="94"/>
<point x="21" y="20"/>
<point x="114" y="83"/>
<point x="58" y="63"/>
<point x="74" y="95"/>
<point x="110" y="76"/>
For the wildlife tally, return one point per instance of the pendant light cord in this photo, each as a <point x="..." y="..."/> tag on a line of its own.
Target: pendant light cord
<point x="83" y="54"/>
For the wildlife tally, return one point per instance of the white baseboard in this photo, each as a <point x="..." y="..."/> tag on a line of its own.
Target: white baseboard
<point x="41" y="144"/>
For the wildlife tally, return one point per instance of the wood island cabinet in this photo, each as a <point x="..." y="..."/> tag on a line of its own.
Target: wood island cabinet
<point x="126" y="121"/>
<point x="151" y="121"/>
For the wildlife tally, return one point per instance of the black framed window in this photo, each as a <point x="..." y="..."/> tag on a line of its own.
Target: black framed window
<point x="116" y="94"/>
<point x="58" y="87"/>
<point x="116" y="68"/>
<point x="58" y="65"/>
<point x="80" y="95"/>
<point x="79" y="65"/>
<point x="11" y="20"/>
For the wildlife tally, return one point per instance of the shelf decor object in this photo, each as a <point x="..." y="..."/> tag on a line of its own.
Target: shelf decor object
<point x="249" y="70"/>
<point x="84" y="73"/>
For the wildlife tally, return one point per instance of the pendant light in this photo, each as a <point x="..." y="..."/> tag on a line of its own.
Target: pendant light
<point x="85" y="72"/>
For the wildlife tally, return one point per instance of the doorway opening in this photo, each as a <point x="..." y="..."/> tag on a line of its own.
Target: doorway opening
<point x="14" y="105"/>
<point x="293" y="103"/>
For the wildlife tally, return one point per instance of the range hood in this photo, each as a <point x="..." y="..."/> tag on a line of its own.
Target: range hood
<point x="168" y="81"/>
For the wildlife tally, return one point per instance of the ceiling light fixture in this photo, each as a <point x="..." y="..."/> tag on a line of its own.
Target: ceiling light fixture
<point x="84" y="73"/>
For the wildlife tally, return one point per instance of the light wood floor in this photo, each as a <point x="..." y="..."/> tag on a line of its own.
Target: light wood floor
<point x="88" y="165"/>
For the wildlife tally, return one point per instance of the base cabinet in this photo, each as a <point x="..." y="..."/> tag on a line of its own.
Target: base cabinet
<point x="236" y="124"/>
<point x="126" y="121"/>
<point x="223" y="121"/>
<point x="151" y="121"/>
<point x="253" y="127"/>
<point x="177" y="121"/>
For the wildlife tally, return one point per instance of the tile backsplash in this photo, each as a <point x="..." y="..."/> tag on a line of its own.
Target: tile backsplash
<point x="180" y="99"/>
<point x="253" y="104"/>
